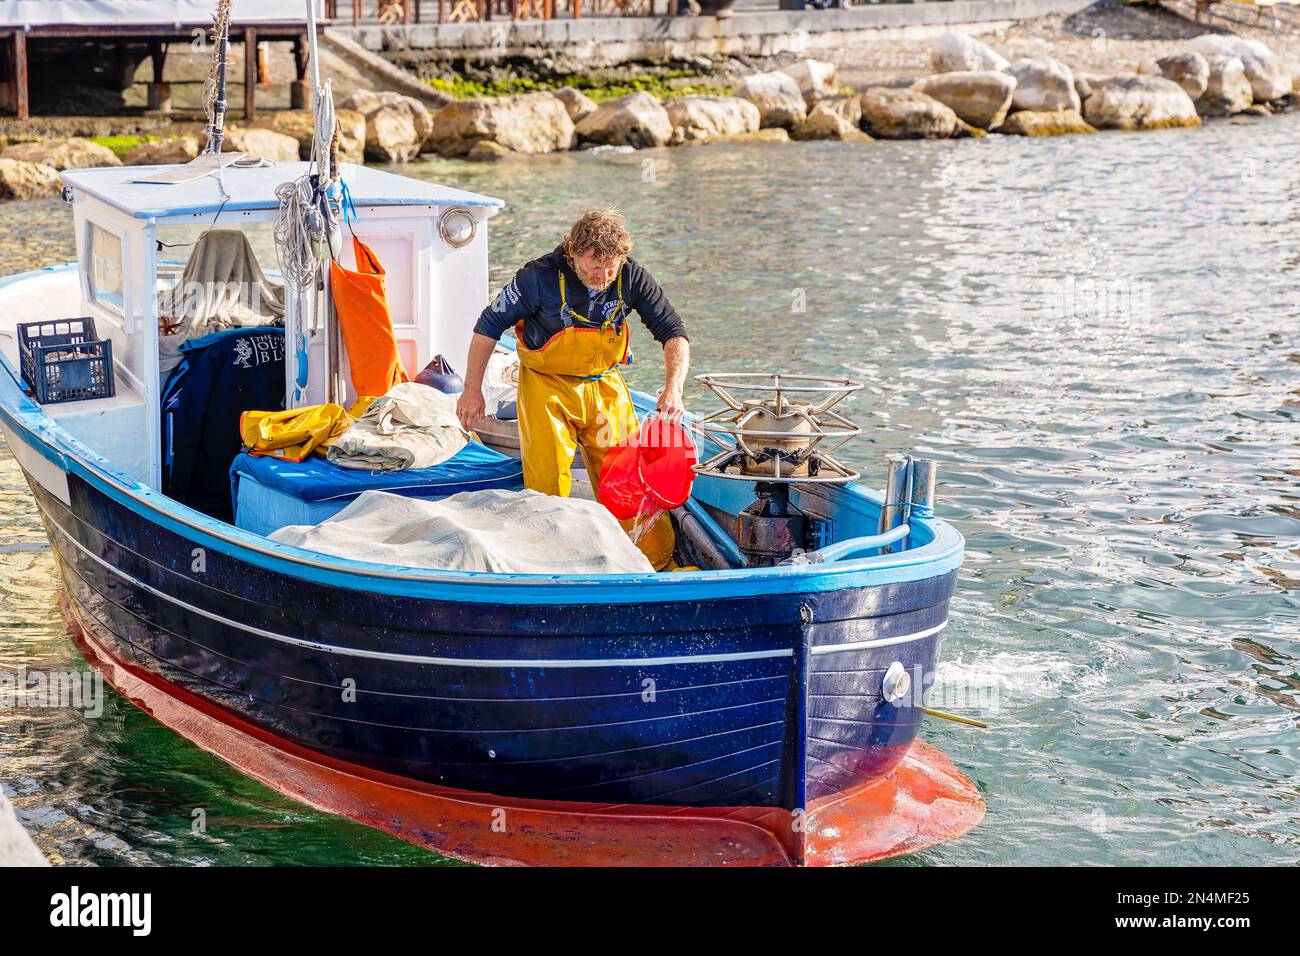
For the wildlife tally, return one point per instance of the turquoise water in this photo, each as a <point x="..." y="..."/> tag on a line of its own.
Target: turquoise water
<point x="1097" y="337"/>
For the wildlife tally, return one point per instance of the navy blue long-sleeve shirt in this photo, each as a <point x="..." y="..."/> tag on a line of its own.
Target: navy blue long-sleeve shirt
<point x="533" y="297"/>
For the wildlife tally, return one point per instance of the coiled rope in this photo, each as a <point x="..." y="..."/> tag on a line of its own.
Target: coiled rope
<point x="306" y="222"/>
<point x="306" y="227"/>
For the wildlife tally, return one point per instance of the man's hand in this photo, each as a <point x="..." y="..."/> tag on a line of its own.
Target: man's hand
<point x="470" y="407"/>
<point x="670" y="405"/>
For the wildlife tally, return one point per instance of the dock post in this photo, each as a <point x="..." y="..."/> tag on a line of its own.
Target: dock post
<point x="160" y="93"/>
<point x="13" y="91"/>
<point x="299" y="91"/>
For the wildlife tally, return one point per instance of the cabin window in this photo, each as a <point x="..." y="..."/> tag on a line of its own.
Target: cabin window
<point x="104" y="272"/>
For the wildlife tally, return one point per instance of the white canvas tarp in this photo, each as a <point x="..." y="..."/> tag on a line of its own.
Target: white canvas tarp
<point x="516" y="532"/>
<point x="149" y="12"/>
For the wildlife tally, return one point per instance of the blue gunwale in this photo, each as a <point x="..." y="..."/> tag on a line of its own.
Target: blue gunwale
<point x="25" y="418"/>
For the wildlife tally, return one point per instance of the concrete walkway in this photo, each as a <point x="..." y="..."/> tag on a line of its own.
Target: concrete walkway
<point x="609" y="41"/>
<point x="16" y="847"/>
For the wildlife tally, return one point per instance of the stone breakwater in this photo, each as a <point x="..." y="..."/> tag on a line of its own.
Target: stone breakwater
<point x="972" y="90"/>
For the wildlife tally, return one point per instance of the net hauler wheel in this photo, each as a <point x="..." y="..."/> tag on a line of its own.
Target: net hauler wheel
<point x="781" y="428"/>
<point x="777" y="430"/>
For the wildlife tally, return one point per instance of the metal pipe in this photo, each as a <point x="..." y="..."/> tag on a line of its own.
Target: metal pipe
<point x="701" y="540"/>
<point x="218" y="131"/>
<point x="311" y="44"/>
<point x="853" y="547"/>
<point x="924" y="474"/>
<point x="728" y="547"/>
<point x="334" y="390"/>
<point x="893" y="510"/>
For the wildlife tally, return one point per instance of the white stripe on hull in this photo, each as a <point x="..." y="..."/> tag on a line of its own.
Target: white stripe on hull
<point x="880" y="642"/>
<point x="485" y="662"/>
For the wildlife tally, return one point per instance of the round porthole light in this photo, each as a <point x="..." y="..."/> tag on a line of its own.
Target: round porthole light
<point x="457" y="226"/>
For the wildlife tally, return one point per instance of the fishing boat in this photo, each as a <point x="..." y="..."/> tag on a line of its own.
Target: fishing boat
<point x="761" y="709"/>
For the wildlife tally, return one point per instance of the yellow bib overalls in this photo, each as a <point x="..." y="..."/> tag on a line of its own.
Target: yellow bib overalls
<point x="571" y="396"/>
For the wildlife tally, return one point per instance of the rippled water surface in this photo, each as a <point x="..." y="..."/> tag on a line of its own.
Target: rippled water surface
<point x="1098" y="339"/>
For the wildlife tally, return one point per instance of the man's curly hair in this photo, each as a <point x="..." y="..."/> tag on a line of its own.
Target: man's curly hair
<point x="601" y="230"/>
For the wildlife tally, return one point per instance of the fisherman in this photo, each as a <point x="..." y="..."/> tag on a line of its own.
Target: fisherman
<point x="569" y="310"/>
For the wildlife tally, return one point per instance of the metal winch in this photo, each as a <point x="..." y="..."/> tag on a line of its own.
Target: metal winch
<point x="781" y="430"/>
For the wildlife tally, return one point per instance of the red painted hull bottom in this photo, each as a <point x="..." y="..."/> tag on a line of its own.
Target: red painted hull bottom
<point x="925" y="801"/>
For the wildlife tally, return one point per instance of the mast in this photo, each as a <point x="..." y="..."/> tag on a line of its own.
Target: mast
<point x="214" y="89"/>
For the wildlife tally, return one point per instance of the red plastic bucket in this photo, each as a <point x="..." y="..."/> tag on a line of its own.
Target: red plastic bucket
<point x="650" y="470"/>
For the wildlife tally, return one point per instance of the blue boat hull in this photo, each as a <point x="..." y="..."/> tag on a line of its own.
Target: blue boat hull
<point x="772" y="700"/>
<point x="748" y="688"/>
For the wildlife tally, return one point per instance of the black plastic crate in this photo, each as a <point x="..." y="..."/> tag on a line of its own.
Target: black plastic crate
<point x="63" y="361"/>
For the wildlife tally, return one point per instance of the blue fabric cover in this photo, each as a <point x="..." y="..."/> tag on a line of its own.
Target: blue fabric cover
<point x="270" y="493"/>
<point x="220" y="376"/>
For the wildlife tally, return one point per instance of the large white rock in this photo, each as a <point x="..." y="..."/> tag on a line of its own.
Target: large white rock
<point x="980" y="97"/>
<point x="368" y="102"/>
<point x="391" y="136"/>
<point x="418" y="112"/>
<point x="637" y="119"/>
<point x="953" y="52"/>
<point x="72" y="153"/>
<point x="267" y="143"/>
<point x="1131" y="101"/>
<point x="486" y="151"/>
<point x="300" y="125"/>
<point x="1227" y="90"/>
<point x="578" y="104"/>
<point x="23" y="180"/>
<point x="296" y="123"/>
<point x="707" y="117"/>
<point x="1043" y="85"/>
<point x="1189" y="70"/>
<point x="777" y="96"/>
<point x="531" y="123"/>
<point x="830" y="119"/>
<point x="1269" y="76"/>
<point x="179" y="149"/>
<point x="816" y="79"/>
<point x="363" y="101"/>
<point x="1084" y="83"/>
<point x="1054" y="123"/>
<point x="352" y="136"/>
<point x="906" y="114"/>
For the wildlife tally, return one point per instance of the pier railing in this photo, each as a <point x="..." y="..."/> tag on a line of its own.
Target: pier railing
<point x="393" y="12"/>
<point x="408" y="12"/>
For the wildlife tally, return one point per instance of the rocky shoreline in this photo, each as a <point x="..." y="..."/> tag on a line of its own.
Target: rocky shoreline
<point x="972" y="90"/>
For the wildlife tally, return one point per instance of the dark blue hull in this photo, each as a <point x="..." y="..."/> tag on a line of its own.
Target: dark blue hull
<point x="760" y="700"/>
